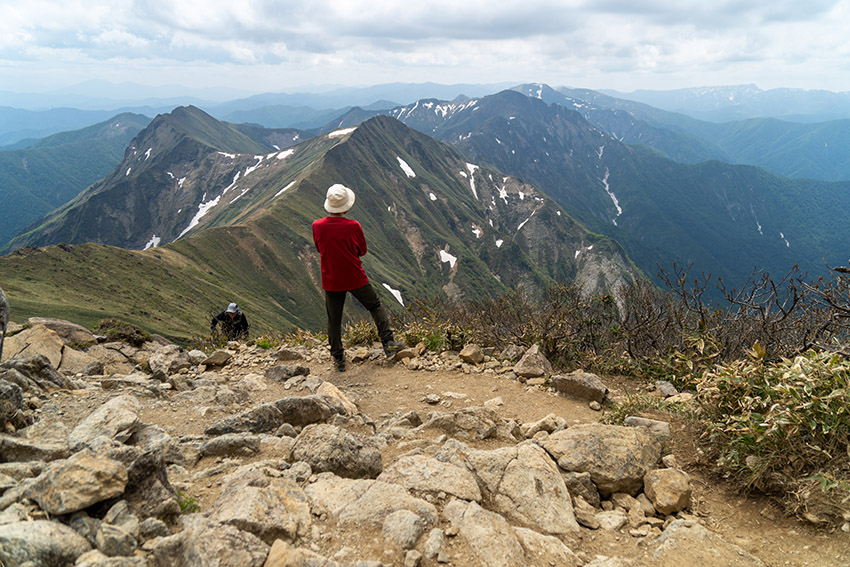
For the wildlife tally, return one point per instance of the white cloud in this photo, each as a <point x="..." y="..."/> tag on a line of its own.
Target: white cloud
<point x="279" y="45"/>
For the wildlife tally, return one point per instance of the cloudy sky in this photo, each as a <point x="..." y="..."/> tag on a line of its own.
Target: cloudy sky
<point x="266" y="45"/>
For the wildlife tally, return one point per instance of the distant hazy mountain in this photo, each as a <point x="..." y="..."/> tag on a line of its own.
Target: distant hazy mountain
<point x="36" y="180"/>
<point x="724" y="104"/>
<point x="725" y="219"/>
<point x="238" y="220"/>
<point x="791" y="149"/>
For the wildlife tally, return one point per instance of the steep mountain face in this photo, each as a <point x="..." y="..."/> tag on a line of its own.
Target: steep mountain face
<point x="170" y="174"/>
<point x="727" y="220"/>
<point x="54" y="170"/>
<point x="437" y="225"/>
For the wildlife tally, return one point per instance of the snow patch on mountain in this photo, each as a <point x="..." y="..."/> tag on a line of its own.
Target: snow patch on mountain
<point x="153" y="242"/>
<point x="285" y="153"/>
<point x="255" y="166"/>
<point x="445" y="257"/>
<point x="231" y="156"/>
<point x="405" y="167"/>
<point x="432" y="196"/>
<point x="472" y="167"/>
<point x="787" y="244"/>
<point x="396" y="293"/>
<point x="612" y="195"/>
<point x="342" y="132"/>
<point x="279" y="193"/>
<point x="148" y="154"/>
<point x="203" y="209"/>
<point x="499" y="243"/>
<point x="129" y="169"/>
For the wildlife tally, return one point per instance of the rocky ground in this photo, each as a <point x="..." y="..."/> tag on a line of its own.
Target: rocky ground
<point x="144" y="454"/>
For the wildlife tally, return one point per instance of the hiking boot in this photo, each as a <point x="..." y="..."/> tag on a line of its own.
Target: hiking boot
<point x="340" y="364"/>
<point x="391" y="347"/>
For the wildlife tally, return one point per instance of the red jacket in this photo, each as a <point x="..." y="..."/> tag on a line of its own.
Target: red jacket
<point x="340" y="243"/>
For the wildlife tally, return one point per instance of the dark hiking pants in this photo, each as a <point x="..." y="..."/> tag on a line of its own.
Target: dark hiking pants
<point x="334" y="303"/>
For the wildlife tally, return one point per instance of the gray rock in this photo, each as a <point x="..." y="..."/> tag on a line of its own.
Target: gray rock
<point x="151" y="528"/>
<point x="365" y="502"/>
<point x="121" y="516"/>
<point x="549" y="424"/>
<point x="545" y="550"/>
<point x="533" y="364"/>
<point x="93" y="368"/>
<point x="196" y="356"/>
<point x="37" y="340"/>
<point x="473" y="422"/>
<point x="491" y="539"/>
<point x="660" y="429"/>
<point x="78" y="482"/>
<point x="616" y="457"/>
<point x="586" y="514"/>
<point x="204" y="542"/>
<point x="270" y="508"/>
<point x="21" y="449"/>
<point x="580" y="484"/>
<point x="288" y="354"/>
<point x="434" y="544"/>
<point x="40" y="543"/>
<point x="11" y="404"/>
<point x="33" y="374"/>
<point x="95" y="558"/>
<point x="148" y="491"/>
<point x="328" y="448"/>
<point x="297" y="411"/>
<point x="284" y="372"/>
<point x="669" y="490"/>
<point x="114" y="541"/>
<point x="665" y="389"/>
<point x="687" y="543"/>
<point x="422" y="475"/>
<point x="232" y="445"/>
<point x="412" y="558"/>
<point x="612" y="519"/>
<point x="582" y="386"/>
<point x="403" y="528"/>
<point x="168" y="359"/>
<point x="505" y="476"/>
<point x="471" y="354"/>
<point x="117" y="419"/>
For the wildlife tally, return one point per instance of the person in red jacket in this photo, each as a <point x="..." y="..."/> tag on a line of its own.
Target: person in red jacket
<point x="341" y="243"/>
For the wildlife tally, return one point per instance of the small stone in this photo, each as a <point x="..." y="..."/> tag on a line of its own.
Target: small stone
<point x="595" y="406"/>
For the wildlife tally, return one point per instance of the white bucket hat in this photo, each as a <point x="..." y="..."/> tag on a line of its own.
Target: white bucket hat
<point x="339" y="199"/>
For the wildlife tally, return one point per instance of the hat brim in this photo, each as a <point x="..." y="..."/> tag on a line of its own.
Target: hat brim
<point x="349" y="202"/>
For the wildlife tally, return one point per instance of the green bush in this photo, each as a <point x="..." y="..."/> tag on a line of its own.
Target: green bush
<point x="360" y="333"/>
<point x="780" y="427"/>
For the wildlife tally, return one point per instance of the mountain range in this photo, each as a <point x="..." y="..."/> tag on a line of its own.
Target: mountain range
<point x="459" y="198"/>
<point x="237" y="213"/>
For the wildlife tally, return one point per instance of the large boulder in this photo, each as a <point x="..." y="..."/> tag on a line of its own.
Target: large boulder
<point x="425" y="475"/>
<point x="36" y="340"/>
<point x="491" y="539"/>
<point x="77" y="482"/>
<point x="70" y="333"/>
<point x="365" y="503"/>
<point x="616" y="457"/>
<point x="117" y="419"/>
<point x="168" y="359"/>
<point x="296" y="411"/>
<point x="523" y="484"/>
<point x="33" y="374"/>
<point x="473" y="422"/>
<point x="203" y="542"/>
<point x="328" y="448"/>
<point x="40" y="543"/>
<point x="581" y="385"/>
<point x="16" y="449"/>
<point x="268" y="507"/>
